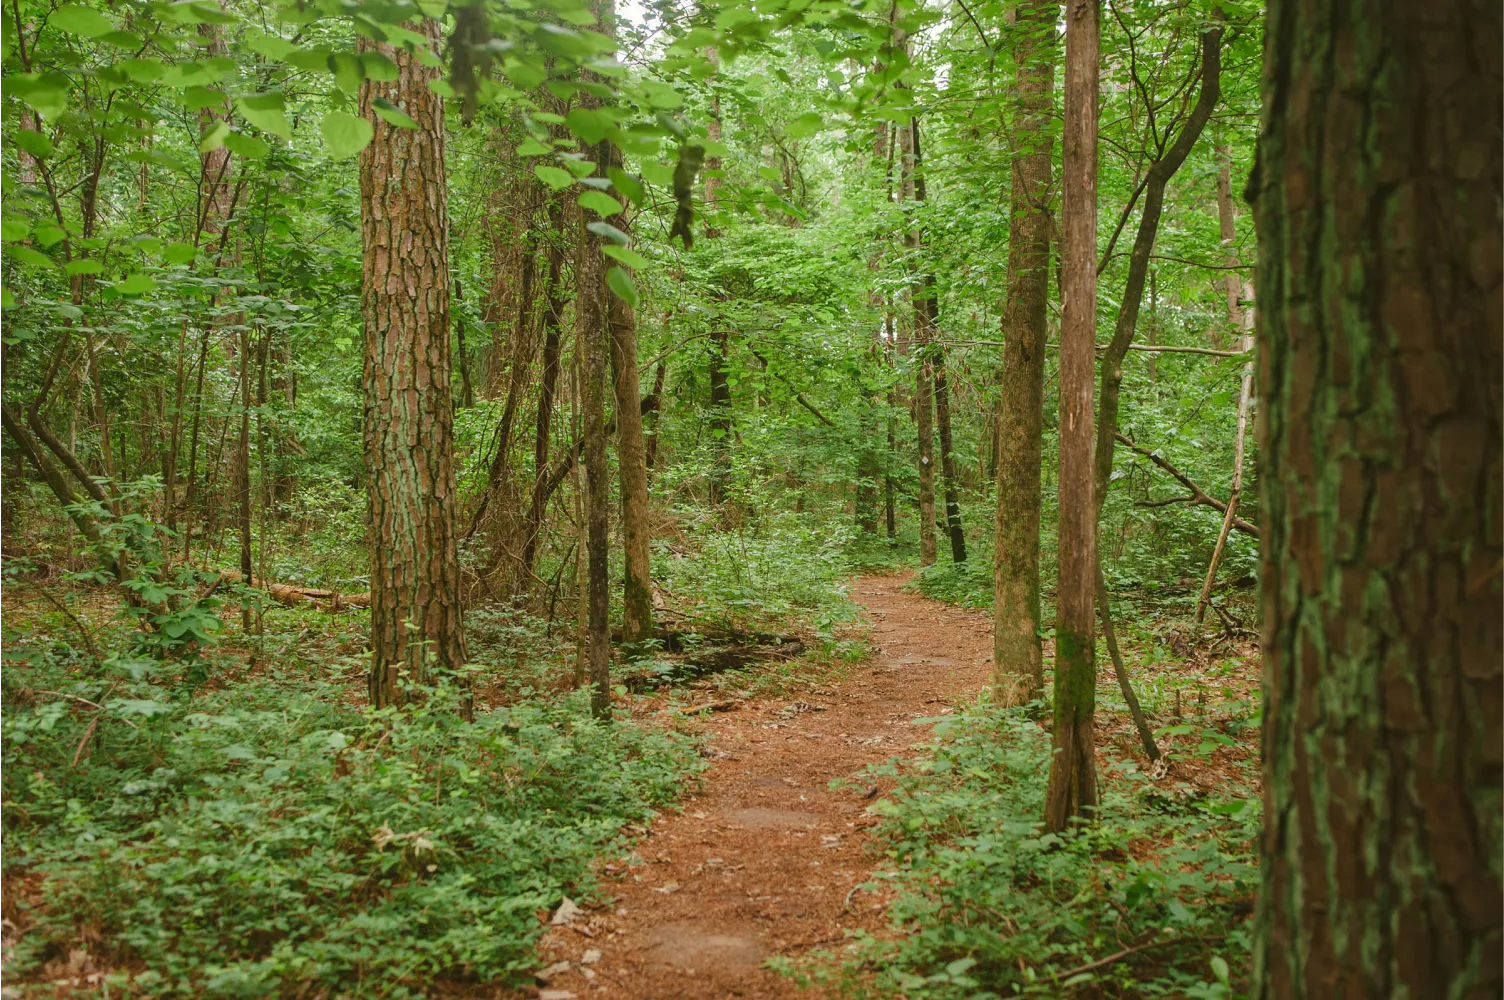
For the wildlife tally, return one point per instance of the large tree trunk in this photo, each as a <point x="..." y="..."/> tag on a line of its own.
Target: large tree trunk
<point x="1017" y="661"/>
<point x="1377" y="210"/>
<point x="1072" y="789"/>
<point x="416" y="625"/>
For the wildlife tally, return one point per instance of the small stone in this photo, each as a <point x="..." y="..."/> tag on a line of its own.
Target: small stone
<point x="567" y="913"/>
<point x="591" y="956"/>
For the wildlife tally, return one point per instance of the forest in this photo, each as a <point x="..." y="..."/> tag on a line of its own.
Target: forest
<point x="761" y="498"/>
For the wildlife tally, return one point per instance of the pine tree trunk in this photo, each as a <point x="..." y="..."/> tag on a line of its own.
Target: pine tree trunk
<point x="416" y="626"/>
<point x="1018" y="665"/>
<point x="1377" y="206"/>
<point x="1072" y="791"/>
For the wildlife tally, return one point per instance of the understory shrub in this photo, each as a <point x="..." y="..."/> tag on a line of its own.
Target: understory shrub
<point x="988" y="905"/>
<point x="236" y="842"/>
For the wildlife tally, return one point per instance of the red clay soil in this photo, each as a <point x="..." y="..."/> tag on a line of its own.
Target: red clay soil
<point x="764" y="861"/>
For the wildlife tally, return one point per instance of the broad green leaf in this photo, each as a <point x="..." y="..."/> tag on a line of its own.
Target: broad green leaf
<point x="601" y="204"/>
<point x="312" y="60"/>
<point x="733" y="17"/>
<point x="198" y="98"/>
<point x="345" y="134"/>
<point x="554" y="177"/>
<point x="47" y="94"/>
<point x="627" y="185"/>
<point x="662" y="96"/>
<point x="85" y="266"/>
<point x="271" y="46"/>
<point x="135" y="284"/>
<point x="179" y="253"/>
<point x="247" y="146"/>
<point x="806" y="124"/>
<point x="524" y="76"/>
<point x="442" y="87"/>
<point x="47" y="235"/>
<point x="7" y="300"/>
<point x="631" y="258"/>
<point x="35" y="143"/>
<point x="142" y="70"/>
<point x="609" y="231"/>
<point x="12" y="230"/>
<point x="661" y="174"/>
<point x="81" y="20"/>
<point x="122" y="40"/>
<point x="579" y="18"/>
<point x="349" y="74"/>
<point x="590" y="126"/>
<point x="620" y="282"/>
<point x="26" y="255"/>
<point x="265" y="112"/>
<point x="532" y="147"/>
<point x="378" y="67"/>
<point x="214" y="137"/>
<point x="393" y="115"/>
<point x="578" y="165"/>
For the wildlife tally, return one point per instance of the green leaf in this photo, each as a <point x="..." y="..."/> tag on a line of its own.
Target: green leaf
<point x="555" y="178"/>
<point x="1221" y="970"/>
<point x="610" y="232"/>
<point x="7" y="300"/>
<point x="661" y="174"/>
<point x="580" y="167"/>
<point x="590" y="126"/>
<point x="121" y="39"/>
<point x="26" y="255"/>
<point x="247" y="146"/>
<point x="631" y="258"/>
<point x="135" y="284"/>
<point x="662" y="96"/>
<point x="627" y="185"/>
<point x="579" y="18"/>
<point x="179" y="253"/>
<point x="532" y="147"/>
<point x="47" y="94"/>
<point x="35" y="143"/>
<point x="620" y="282"/>
<point x="81" y="20"/>
<point x="142" y="70"/>
<point x="312" y="60"/>
<point x="265" y="112"/>
<point x="198" y="98"/>
<point x="524" y="76"/>
<point x="345" y="134"/>
<point x="271" y="46"/>
<point x="378" y="67"/>
<point x="349" y="74"/>
<point x="14" y="230"/>
<point x="601" y="204"/>
<point x="443" y="88"/>
<point x="393" y="115"/>
<point x="47" y="234"/>
<point x="214" y="138"/>
<point x="805" y="125"/>
<point x="85" y="266"/>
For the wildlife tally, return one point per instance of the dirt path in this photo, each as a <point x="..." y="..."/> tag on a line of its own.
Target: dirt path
<point x="764" y="860"/>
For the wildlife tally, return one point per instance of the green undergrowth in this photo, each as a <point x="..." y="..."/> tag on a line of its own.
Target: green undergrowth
<point x="988" y="905"/>
<point x="240" y="841"/>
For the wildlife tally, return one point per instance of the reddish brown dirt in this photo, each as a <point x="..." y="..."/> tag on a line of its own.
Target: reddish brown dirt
<point x="764" y="860"/>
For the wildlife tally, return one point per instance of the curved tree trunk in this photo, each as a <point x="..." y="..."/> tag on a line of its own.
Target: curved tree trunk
<point x="416" y="626"/>
<point x="1017" y="661"/>
<point x="1377" y="206"/>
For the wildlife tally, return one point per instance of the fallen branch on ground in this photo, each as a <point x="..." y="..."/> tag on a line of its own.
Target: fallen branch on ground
<point x="1198" y="497"/>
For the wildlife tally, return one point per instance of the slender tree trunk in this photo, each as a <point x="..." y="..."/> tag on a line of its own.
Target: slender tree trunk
<point x="1245" y="396"/>
<point x="240" y="468"/>
<point x="1072" y="791"/>
<point x="1018" y="664"/>
<point x="553" y="319"/>
<point x="591" y="335"/>
<point x="650" y="419"/>
<point x="637" y="593"/>
<point x="416" y="623"/>
<point x="1377" y="212"/>
<point x="924" y="372"/>
<point x="467" y="390"/>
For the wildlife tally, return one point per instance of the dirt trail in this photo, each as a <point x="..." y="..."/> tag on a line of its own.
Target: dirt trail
<point x="764" y="860"/>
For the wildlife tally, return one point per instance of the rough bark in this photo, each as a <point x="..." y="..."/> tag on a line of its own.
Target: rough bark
<point x="1072" y="791"/>
<point x="553" y="319"/>
<point x="1018" y="665"/>
<point x="1377" y="207"/>
<point x="416" y="626"/>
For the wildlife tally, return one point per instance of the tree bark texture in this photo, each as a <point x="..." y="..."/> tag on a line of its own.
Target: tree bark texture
<point x="1018" y="664"/>
<point x="632" y="462"/>
<point x="416" y="626"/>
<point x="924" y="372"/>
<point x="1072" y="791"/>
<point x="1377" y="208"/>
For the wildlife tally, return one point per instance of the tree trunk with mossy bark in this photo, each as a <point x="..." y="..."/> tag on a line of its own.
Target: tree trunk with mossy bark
<point x="1017" y="660"/>
<point x="1377" y="208"/>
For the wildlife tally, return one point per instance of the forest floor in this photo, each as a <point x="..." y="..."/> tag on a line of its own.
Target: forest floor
<point x="766" y="859"/>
